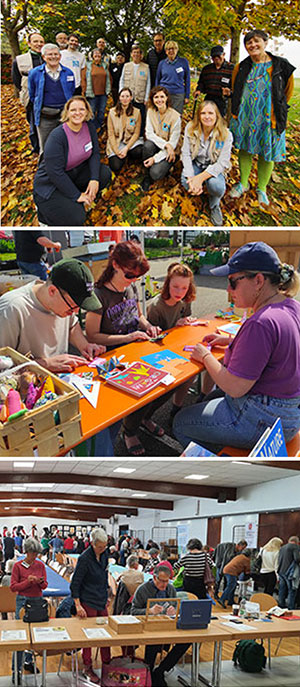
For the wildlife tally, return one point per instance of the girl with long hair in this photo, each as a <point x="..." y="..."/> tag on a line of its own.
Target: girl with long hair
<point x="172" y="308"/>
<point x="123" y="132"/>
<point x="163" y="126"/>
<point x="206" y="155"/>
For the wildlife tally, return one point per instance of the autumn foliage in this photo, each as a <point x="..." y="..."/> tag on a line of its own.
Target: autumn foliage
<point x="124" y="203"/>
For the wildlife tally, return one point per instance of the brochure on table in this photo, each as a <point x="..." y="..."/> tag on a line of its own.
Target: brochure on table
<point x="50" y="634"/>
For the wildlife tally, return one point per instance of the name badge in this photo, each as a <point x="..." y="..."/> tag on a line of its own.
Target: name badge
<point x="179" y="69"/>
<point x="25" y="565"/>
<point x="225" y="80"/>
<point x="70" y="78"/>
<point x="142" y="73"/>
<point x="88" y="146"/>
<point x="115" y="69"/>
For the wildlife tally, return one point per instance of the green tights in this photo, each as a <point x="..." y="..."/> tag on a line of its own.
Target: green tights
<point x="264" y="169"/>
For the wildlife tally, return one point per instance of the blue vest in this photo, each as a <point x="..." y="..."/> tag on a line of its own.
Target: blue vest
<point x="53" y="93"/>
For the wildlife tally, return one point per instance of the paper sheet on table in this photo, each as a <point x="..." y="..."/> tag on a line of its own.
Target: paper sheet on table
<point x="50" y="634"/>
<point x="126" y="619"/>
<point x="237" y="626"/>
<point x="95" y="632"/>
<point x="10" y="635"/>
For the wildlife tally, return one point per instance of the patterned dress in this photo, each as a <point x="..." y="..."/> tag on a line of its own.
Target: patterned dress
<point x="252" y="130"/>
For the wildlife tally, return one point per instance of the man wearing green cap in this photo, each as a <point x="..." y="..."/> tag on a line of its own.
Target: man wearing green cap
<point x="40" y="317"/>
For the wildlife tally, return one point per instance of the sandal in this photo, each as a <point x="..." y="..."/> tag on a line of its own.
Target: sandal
<point x="136" y="450"/>
<point x="157" y="431"/>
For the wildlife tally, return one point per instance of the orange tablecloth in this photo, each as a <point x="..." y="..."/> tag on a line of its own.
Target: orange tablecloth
<point x="114" y="405"/>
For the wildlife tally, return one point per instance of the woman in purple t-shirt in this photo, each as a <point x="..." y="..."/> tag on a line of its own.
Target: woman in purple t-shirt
<point x="70" y="174"/>
<point x="260" y="378"/>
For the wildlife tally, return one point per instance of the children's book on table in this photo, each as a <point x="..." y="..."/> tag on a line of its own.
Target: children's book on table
<point x="138" y="379"/>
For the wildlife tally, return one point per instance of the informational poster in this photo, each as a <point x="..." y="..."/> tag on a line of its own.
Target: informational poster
<point x="183" y="536"/>
<point x="251" y="535"/>
<point x="50" y="634"/>
<point x="12" y="635"/>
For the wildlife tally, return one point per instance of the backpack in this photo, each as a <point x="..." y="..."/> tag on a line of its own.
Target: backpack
<point x="255" y="564"/>
<point x="249" y="655"/>
<point x="125" y="671"/>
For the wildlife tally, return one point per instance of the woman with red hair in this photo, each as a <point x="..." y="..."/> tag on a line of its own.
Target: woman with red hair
<point x="120" y="321"/>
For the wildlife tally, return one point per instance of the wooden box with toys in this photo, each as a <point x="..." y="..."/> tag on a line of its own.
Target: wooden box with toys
<point x="39" y="413"/>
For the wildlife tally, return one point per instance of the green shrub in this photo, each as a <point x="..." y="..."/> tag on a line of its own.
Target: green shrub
<point x="157" y="243"/>
<point x="7" y="246"/>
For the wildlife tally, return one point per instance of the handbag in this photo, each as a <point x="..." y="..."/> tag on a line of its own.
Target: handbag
<point x="208" y="577"/>
<point x="178" y="579"/>
<point x="36" y="610"/>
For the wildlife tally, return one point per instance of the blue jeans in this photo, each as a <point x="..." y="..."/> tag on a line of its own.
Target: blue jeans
<point x="39" y="269"/>
<point x="285" y="589"/>
<point x="98" y="105"/>
<point x="237" y="422"/>
<point x="216" y="186"/>
<point x="228" y="594"/>
<point x="20" y="601"/>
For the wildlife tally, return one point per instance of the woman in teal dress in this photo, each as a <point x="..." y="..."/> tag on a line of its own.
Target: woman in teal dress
<point x="262" y="85"/>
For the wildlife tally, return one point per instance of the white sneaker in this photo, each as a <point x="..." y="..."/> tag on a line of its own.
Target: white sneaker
<point x="238" y="190"/>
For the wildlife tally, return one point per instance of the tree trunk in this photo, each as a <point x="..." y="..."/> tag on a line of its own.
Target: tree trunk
<point x="13" y="42"/>
<point x="235" y="45"/>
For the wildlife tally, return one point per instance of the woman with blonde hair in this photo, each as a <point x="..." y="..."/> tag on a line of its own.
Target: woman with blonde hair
<point x="206" y="155"/>
<point x="269" y="564"/>
<point x="70" y="174"/>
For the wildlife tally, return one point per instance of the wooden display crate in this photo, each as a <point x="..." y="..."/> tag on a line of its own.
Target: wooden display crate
<point x="117" y="624"/>
<point x="156" y="623"/>
<point x="39" y="432"/>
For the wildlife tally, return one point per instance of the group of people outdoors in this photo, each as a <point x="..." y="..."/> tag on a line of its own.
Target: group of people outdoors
<point x="65" y="96"/>
<point x="257" y="382"/>
<point x="90" y="594"/>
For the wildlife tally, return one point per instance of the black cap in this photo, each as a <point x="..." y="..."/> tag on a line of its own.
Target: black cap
<point x="74" y="277"/>
<point x="216" y="50"/>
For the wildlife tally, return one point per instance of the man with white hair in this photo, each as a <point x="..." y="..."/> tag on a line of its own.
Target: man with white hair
<point x="49" y="86"/>
<point x="89" y="589"/>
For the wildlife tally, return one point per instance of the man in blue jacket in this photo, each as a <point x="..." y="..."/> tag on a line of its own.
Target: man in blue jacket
<point x="49" y="87"/>
<point x="89" y="589"/>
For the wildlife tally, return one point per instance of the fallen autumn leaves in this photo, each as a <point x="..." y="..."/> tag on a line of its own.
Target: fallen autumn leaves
<point x="125" y="204"/>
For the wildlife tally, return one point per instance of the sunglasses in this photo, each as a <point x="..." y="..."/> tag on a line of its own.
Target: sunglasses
<point x="130" y="275"/>
<point x="233" y="281"/>
<point x="71" y="307"/>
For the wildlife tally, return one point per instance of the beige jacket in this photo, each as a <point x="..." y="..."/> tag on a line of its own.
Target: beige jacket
<point x="137" y="85"/>
<point x="124" y="129"/>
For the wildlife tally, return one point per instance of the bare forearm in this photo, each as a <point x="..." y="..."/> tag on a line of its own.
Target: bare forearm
<point x="108" y="339"/>
<point x="77" y="338"/>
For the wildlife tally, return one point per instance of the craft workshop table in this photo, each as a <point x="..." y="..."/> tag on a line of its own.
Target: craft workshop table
<point x="113" y="405"/>
<point x="14" y="644"/>
<point x="215" y="633"/>
<point x="57" y="585"/>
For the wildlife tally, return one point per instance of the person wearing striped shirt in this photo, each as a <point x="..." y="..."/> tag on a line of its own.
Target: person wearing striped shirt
<point x="194" y="568"/>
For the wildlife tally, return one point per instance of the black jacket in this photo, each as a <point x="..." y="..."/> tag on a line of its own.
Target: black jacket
<point x="90" y="580"/>
<point x="282" y="70"/>
<point x="153" y="59"/>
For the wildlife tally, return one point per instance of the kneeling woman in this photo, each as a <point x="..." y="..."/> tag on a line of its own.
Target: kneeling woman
<point x="123" y="132"/>
<point x="163" y="126"/>
<point x="70" y="173"/>
<point x="205" y="156"/>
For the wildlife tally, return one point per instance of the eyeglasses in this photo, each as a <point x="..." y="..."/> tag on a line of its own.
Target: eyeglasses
<point x="162" y="581"/>
<point x="71" y="307"/>
<point x="233" y="281"/>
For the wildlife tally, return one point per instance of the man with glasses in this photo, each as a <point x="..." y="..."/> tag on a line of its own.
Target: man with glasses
<point x="158" y="588"/>
<point x="40" y="317"/>
<point x="156" y="54"/>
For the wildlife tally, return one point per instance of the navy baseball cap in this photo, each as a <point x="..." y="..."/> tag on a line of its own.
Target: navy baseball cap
<point x="256" y="256"/>
<point x="216" y="50"/>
